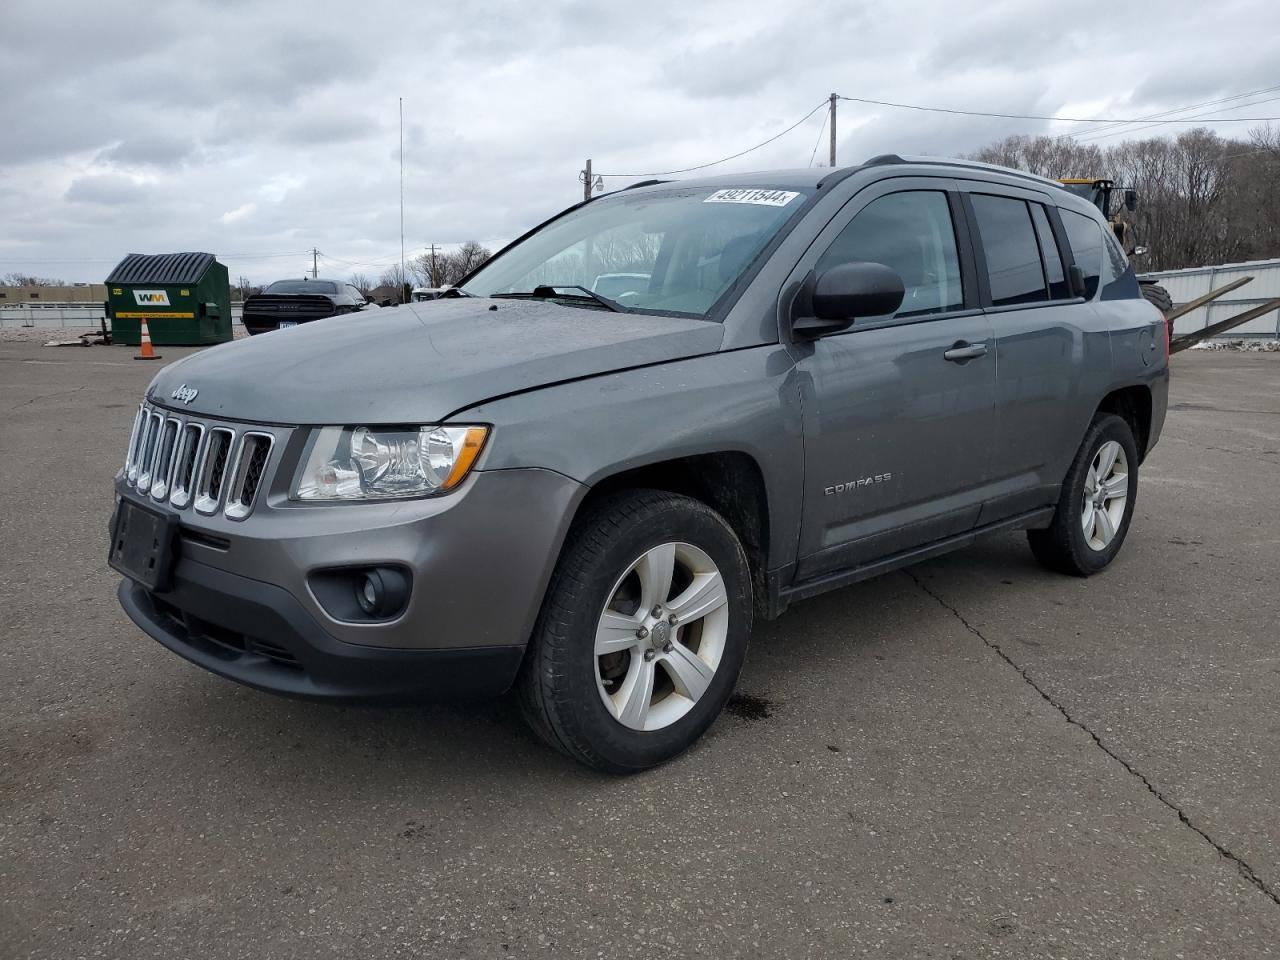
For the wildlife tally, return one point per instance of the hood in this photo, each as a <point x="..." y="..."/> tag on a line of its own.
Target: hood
<point x="421" y="362"/>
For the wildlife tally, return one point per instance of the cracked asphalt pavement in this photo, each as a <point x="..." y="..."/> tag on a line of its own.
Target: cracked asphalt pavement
<point x="973" y="758"/>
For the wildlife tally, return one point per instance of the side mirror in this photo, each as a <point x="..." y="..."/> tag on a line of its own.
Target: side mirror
<point x="833" y="300"/>
<point x="1131" y="200"/>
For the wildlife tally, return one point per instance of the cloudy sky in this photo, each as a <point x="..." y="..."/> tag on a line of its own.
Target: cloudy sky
<point x="256" y="130"/>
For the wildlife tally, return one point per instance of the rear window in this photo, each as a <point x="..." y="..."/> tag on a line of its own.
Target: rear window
<point x="302" y="286"/>
<point x="1012" y="251"/>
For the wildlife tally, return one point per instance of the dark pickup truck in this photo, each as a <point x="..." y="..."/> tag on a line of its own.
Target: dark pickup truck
<point x="287" y="303"/>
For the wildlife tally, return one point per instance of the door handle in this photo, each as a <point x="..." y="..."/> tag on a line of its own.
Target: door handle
<point x="964" y="350"/>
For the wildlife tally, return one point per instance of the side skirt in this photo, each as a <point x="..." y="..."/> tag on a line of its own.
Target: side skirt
<point x="781" y="597"/>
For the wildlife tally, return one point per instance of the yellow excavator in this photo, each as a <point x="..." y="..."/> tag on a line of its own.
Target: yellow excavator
<point x="1101" y="194"/>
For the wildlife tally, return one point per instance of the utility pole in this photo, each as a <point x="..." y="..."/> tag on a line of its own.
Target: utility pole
<point x="315" y="269"/>
<point x="435" y="278"/>
<point x="832" y="124"/>
<point x="589" y="183"/>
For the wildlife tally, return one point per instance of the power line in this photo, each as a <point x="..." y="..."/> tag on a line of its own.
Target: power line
<point x="262" y="256"/>
<point x="742" y="153"/>
<point x="818" y="142"/>
<point x="1031" y="116"/>
<point x="1166" y="113"/>
<point x="986" y="113"/>
<point x="1198" y="117"/>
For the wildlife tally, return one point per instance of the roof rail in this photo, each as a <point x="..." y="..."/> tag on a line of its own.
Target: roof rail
<point x="883" y="158"/>
<point x="890" y="158"/>
<point x="979" y="165"/>
<point x="645" y="183"/>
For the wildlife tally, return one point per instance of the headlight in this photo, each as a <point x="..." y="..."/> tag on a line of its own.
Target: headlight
<point x="368" y="463"/>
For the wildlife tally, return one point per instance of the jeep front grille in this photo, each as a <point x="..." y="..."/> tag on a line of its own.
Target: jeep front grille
<point x="246" y="475"/>
<point x="184" y="464"/>
<point x="212" y="469"/>
<point x="147" y="454"/>
<point x="187" y="462"/>
<point x="135" y="442"/>
<point x="163" y="468"/>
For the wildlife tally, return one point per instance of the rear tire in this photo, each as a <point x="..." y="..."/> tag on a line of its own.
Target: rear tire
<point x="1096" y="504"/>
<point x="1158" y="296"/>
<point x="610" y="680"/>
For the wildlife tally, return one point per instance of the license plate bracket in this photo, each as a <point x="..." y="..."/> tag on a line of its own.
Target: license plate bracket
<point x="142" y="545"/>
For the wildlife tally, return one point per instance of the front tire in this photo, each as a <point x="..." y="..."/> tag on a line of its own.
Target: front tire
<point x="1096" y="504"/>
<point x="642" y="634"/>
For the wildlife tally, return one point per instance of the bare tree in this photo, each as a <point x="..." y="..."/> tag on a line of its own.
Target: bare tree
<point x="362" y="282"/>
<point x="1202" y="199"/>
<point x="1044" y="156"/>
<point x="428" y="270"/>
<point x="448" y="267"/>
<point x="398" y="279"/>
<point x="27" y="280"/>
<point x="468" y="257"/>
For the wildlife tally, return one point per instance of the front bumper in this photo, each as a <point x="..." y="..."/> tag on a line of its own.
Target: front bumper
<point x="242" y="602"/>
<point x="259" y="635"/>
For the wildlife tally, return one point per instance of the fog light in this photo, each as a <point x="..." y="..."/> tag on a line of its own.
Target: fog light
<point x="362" y="594"/>
<point x="371" y="594"/>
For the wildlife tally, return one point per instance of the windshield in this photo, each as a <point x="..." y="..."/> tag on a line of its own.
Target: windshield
<point x="670" y="251"/>
<point x="302" y="286"/>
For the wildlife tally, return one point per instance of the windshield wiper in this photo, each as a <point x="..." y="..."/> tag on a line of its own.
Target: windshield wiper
<point x="455" y="292"/>
<point x="547" y="291"/>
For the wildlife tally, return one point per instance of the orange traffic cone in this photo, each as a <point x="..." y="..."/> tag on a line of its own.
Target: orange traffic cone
<point x="148" y="351"/>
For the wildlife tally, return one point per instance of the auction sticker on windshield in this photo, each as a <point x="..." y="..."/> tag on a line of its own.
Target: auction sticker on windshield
<point x="768" y="198"/>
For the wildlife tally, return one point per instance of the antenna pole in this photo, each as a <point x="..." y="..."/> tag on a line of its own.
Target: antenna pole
<point x="400" y="292"/>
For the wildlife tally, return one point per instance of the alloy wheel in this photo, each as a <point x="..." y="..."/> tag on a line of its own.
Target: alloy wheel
<point x="661" y="636"/>
<point x="1106" y="494"/>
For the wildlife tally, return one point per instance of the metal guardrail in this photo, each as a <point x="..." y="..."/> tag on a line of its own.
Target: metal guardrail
<point x="17" y="315"/>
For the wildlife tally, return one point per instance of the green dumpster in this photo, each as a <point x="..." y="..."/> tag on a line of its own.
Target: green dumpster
<point x="186" y="298"/>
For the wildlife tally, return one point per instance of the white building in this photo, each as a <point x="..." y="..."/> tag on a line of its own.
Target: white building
<point x="1187" y="284"/>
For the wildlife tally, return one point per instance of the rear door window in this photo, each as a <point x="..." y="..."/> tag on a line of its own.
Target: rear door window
<point x="1086" y="239"/>
<point x="1049" y="253"/>
<point x="913" y="233"/>
<point x="1012" y="251"/>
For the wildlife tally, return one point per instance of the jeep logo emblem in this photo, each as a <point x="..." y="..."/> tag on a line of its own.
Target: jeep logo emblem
<point x="184" y="393"/>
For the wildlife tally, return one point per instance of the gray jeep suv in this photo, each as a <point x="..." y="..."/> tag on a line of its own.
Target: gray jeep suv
<point x="808" y="378"/>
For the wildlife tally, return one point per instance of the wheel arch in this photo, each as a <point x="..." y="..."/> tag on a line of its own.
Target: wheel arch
<point x="1133" y="405"/>
<point x="730" y="482"/>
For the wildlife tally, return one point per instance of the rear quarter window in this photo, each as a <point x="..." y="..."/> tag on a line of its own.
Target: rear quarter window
<point x="1086" y="239"/>
<point x="1100" y="257"/>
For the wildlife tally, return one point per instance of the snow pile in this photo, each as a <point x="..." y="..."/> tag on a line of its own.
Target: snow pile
<point x="1247" y="346"/>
